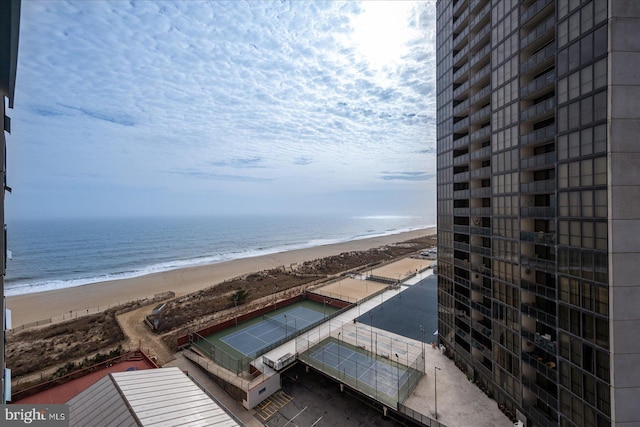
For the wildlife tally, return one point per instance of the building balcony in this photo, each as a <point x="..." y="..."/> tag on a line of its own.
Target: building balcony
<point x="461" y="177"/>
<point x="536" y="86"/>
<point x="542" y="416"/>
<point x="483" y="153"/>
<point x="540" y="34"/>
<point x="481" y="96"/>
<point x="461" y="194"/>
<point x="460" y="125"/>
<point x="539" y="110"/>
<point x="544" y="186"/>
<point x="534" y="10"/>
<point x="461" y="142"/>
<point x="461" y="73"/>
<point x="461" y="246"/>
<point x="483" y="211"/>
<point x="543" y="342"/>
<point x="481" y="36"/>
<point x="461" y="109"/>
<point x="480" y="75"/>
<point x="481" y="192"/>
<point x="461" y="55"/>
<point x="481" y="268"/>
<point x="464" y="264"/>
<point x="481" y="308"/>
<point x="542" y="394"/>
<point x="461" y="211"/>
<point x="539" y="136"/>
<point x="538" y="263"/>
<point x="541" y="161"/>
<point x="479" y="56"/>
<point x="482" y="133"/>
<point x="481" y="115"/>
<point x="484" y="172"/>
<point x="457" y="5"/>
<point x="481" y="250"/>
<point x="459" y="20"/>
<point x="545" y="291"/>
<point x="539" y="60"/>
<point x="482" y="290"/>
<point x="482" y="16"/>
<point x="480" y="231"/>
<point x="542" y="363"/>
<point x="461" y="37"/>
<point x="484" y="350"/>
<point x="540" y="315"/>
<point x="464" y="229"/>
<point x="538" y="237"/>
<point x="460" y="90"/>
<point x="538" y="212"/>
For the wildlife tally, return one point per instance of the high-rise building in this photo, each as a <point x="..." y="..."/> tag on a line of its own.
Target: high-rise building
<point x="9" y="31"/>
<point x="539" y="204"/>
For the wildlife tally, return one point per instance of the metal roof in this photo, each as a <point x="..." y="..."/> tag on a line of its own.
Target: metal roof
<point x="156" y="397"/>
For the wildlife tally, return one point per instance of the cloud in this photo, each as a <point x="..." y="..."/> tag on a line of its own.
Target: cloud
<point x="408" y="176"/>
<point x="131" y="90"/>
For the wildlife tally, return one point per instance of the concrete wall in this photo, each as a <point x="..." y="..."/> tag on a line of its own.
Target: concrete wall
<point x="263" y="390"/>
<point x="624" y="209"/>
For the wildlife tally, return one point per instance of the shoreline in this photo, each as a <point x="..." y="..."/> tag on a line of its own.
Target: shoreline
<point x="27" y="308"/>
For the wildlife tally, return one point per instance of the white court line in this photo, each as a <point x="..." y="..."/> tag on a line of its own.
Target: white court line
<point x="294" y="417"/>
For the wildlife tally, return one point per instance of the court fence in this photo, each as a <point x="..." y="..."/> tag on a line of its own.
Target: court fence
<point x="401" y="368"/>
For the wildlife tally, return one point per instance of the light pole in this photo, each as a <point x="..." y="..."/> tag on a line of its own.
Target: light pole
<point x="435" y="389"/>
<point x="398" y="375"/>
<point x="422" y="330"/>
<point x="339" y="361"/>
<point x="285" y="326"/>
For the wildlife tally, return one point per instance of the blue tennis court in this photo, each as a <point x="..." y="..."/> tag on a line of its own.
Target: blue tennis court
<point x="384" y="376"/>
<point x="254" y="338"/>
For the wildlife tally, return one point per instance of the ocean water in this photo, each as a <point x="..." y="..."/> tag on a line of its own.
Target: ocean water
<point x="55" y="254"/>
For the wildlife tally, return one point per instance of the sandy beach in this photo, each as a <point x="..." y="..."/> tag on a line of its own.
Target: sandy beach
<point x="43" y="305"/>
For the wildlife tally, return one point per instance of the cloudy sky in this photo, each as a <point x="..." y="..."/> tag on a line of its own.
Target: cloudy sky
<point x="160" y="108"/>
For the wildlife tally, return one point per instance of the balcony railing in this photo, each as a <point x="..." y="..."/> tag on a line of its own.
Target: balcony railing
<point x="460" y="36"/>
<point x="460" y="19"/>
<point x="461" y="107"/>
<point x="483" y="211"/>
<point x="481" y="250"/>
<point x="461" y="89"/>
<point x="461" y="211"/>
<point x="538" y="289"/>
<point x="461" y="142"/>
<point x="541" y="82"/>
<point x="484" y="172"/>
<point x="461" y="246"/>
<point x="461" y="229"/>
<point x="481" y="328"/>
<point x="542" y="365"/>
<point x="540" y="315"/>
<point x="538" y="237"/>
<point x="537" y="33"/>
<point x="540" y="135"/>
<point x="483" y="153"/>
<point x="545" y="107"/>
<point x="461" y="194"/>
<point x="461" y="124"/>
<point x="480" y="16"/>
<point x="544" y="186"/>
<point x="480" y="35"/>
<point x="461" y="176"/>
<point x="460" y="55"/>
<point x="538" y="212"/>
<point x="480" y="192"/>
<point x="480" y="231"/>
<point x="481" y="94"/>
<point x="480" y="134"/>
<point x="541" y="160"/>
<point x="540" y="58"/>
<point x="480" y="55"/>
<point x="460" y="72"/>
<point x="538" y="263"/>
<point x="480" y="115"/>
<point x="482" y="73"/>
<point x="481" y="308"/>
<point x="542" y="394"/>
<point x="533" y="10"/>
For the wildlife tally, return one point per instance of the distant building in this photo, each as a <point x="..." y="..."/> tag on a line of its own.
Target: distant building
<point x="538" y="164"/>
<point x="9" y="31"/>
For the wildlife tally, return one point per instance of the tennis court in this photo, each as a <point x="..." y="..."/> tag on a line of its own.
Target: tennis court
<point x="251" y="340"/>
<point x="381" y="375"/>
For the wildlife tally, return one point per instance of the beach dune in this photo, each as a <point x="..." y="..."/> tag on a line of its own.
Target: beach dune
<point x="29" y="308"/>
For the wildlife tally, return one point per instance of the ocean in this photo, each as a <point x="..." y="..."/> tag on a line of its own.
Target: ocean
<point x="57" y="253"/>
